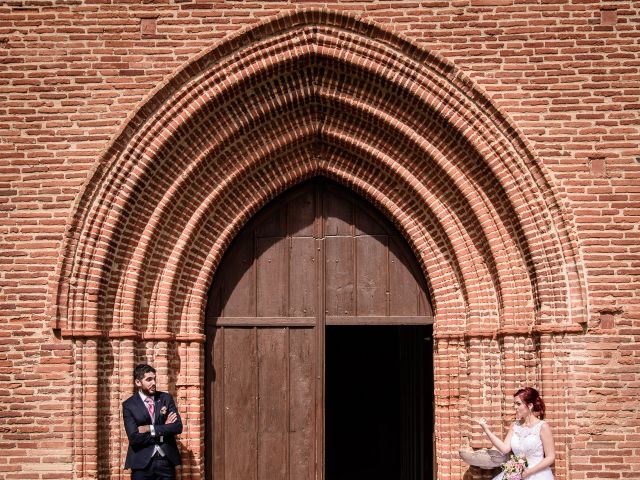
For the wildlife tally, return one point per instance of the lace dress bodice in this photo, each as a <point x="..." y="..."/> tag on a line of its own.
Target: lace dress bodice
<point x="526" y="441"/>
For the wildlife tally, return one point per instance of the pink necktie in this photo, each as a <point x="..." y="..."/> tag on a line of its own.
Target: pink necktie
<point x="150" y="407"/>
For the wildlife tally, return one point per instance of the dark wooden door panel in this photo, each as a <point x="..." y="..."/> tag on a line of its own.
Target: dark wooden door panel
<point x="339" y="276"/>
<point x="302" y="436"/>
<point x="337" y="215"/>
<point x="367" y="224"/>
<point x="272" y="265"/>
<point x="375" y="320"/>
<point x="301" y="214"/>
<point x="316" y="256"/>
<point x="237" y="285"/>
<point x="404" y="288"/>
<point x="215" y="434"/>
<point x="273" y="399"/>
<point x="372" y="275"/>
<point x="303" y="287"/>
<point x="271" y="270"/>
<point x="266" y="322"/>
<point x="272" y="224"/>
<point x="262" y="412"/>
<point x="240" y="403"/>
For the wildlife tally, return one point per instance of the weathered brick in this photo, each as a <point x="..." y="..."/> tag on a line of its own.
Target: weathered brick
<point x="561" y="76"/>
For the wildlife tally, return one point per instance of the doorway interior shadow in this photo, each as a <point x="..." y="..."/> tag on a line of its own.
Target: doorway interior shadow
<point x="379" y="402"/>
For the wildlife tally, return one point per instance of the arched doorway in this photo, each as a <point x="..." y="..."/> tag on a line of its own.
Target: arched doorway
<point x="318" y="318"/>
<point x="316" y="93"/>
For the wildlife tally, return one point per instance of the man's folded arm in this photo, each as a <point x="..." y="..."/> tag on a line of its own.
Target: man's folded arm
<point x="136" y="439"/>
<point x="174" y="428"/>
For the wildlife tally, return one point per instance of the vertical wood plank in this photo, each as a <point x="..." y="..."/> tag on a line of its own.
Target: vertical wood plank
<point x="366" y="224"/>
<point x="301" y="215"/>
<point x="240" y="365"/>
<point x="217" y="403"/>
<point x="273" y="380"/>
<point x="339" y="271"/>
<point x="371" y="275"/>
<point x="338" y="216"/>
<point x="301" y="404"/>
<point x="272" y="277"/>
<point x="273" y="223"/>
<point x="403" y="291"/>
<point x="319" y="355"/>
<point x="216" y="297"/>
<point x="238" y="281"/>
<point x="424" y="306"/>
<point x="302" y="277"/>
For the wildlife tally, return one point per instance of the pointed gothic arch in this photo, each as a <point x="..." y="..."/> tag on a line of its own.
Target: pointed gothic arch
<point x="306" y="94"/>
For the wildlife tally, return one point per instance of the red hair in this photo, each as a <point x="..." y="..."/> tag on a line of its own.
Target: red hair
<point x="530" y="396"/>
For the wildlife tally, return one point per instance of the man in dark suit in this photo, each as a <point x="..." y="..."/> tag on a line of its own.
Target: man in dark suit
<point x="152" y="422"/>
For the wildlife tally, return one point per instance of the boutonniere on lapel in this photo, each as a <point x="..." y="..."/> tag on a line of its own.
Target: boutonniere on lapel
<point x="163" y="410"/>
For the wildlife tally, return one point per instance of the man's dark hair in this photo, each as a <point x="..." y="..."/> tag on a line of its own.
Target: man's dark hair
<point x="141" y="370"/>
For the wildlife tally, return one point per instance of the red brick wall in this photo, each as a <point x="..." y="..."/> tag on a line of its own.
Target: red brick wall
<point x="562" y="76"/>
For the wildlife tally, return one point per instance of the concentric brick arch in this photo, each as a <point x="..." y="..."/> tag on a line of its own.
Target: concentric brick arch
<point x="313" y="93"/>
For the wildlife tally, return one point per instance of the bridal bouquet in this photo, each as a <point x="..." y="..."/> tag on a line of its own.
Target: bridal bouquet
<point x="514" y="467"/>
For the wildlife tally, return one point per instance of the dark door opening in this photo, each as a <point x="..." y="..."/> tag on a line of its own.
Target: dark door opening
<point x="378" y="402"/>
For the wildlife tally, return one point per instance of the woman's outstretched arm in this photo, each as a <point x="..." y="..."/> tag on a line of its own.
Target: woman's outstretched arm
<point x="503" y="445"/>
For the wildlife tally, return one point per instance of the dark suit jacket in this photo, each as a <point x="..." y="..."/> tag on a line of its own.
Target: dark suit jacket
<point x="141" y="445"/>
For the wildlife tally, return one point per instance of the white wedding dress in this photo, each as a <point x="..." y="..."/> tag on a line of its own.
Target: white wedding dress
<point x="526" y="441"/>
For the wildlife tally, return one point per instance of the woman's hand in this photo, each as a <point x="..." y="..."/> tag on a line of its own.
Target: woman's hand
<point x="482" y="422"/>
<point x="503" y="445"/>
<point x="526" y="474"/>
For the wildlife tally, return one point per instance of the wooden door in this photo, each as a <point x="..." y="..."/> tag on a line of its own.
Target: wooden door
<point x="318" y="255"/>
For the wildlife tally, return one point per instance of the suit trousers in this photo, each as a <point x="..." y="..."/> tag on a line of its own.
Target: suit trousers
<point x="159" y="468"/>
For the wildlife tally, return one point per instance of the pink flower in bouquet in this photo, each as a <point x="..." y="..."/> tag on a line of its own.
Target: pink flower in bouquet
<point x="514" y="467"/>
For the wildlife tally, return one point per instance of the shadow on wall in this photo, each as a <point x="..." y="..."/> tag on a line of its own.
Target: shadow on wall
<point x="186" y="470"/>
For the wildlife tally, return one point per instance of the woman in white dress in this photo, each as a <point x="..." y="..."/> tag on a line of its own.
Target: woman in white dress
<point x="529" y="435"/>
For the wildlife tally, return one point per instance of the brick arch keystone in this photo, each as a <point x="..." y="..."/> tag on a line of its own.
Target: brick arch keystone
<point x="306" y="94"/>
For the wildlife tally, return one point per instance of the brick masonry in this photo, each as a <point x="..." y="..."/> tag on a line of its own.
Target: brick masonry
<point x="501" y="136"/>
